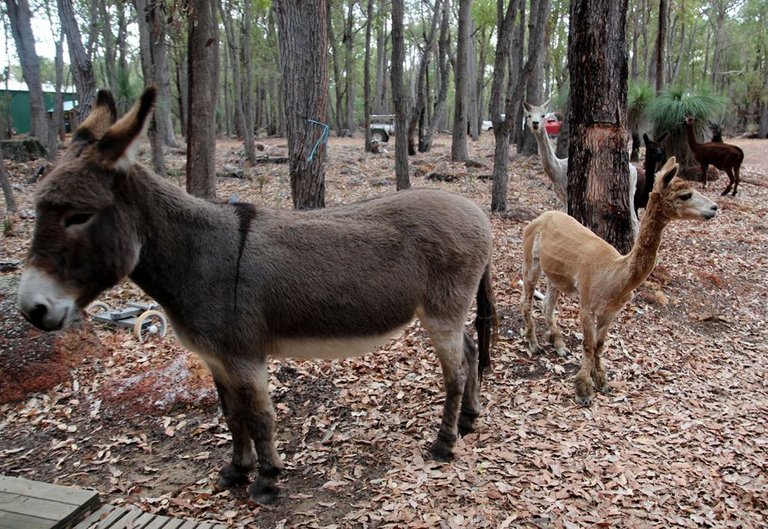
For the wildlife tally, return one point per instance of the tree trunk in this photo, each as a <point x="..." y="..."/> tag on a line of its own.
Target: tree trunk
<point x="473" y="110"/>
<point x="303" y="39"/>
<point x="598" y="167"/>
<point x="349" y="57"/>
<point x="399" y="98"/>
<point x="502" y="129"/>
<point x="203" y="59"/>
<point x="459" y="138"/>
<point x="533" y="90"/>
<point x="246" y="51"/>
<point x="21" y="28"/>
<point x="444" y="72"/>
<point x="420" y="104"/>
<point x="82" y="67"/>
<point x="5" y="183"/>
<point x="367" y="77"/>
<point x="336" y="112"/>
<point x="380" y="103"/>
<point x="660" y="40"/>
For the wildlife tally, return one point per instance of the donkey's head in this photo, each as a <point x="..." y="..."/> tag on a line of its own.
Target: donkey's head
<point x="677" y="198"/>
<point x="84" y="241"/>
<point x="534" y="116"/>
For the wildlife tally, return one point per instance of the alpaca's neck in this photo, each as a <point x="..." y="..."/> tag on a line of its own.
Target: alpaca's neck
<point x="641" y="260"/>
<point x="555" y="168"/>
<point x="546" y="151"/>
<point x="691" y="136"/>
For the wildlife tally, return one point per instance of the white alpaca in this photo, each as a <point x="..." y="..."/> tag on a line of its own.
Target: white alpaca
<point x="576" y="261"/>
<point x="557" y="168"/>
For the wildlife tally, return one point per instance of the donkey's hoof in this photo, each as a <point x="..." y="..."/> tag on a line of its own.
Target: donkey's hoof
<point x="466" y="424"/>
<point x="605" y="390"/>
<point x="441" y="452"/>
<point x="263" y="491"/>
<point x="232" y="475"/>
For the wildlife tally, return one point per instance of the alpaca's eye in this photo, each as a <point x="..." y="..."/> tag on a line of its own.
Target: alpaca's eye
<point x="77" y="218"/>
<point x="686" y="196"/>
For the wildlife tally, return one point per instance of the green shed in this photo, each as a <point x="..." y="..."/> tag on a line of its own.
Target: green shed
<point x="14" y="103"/>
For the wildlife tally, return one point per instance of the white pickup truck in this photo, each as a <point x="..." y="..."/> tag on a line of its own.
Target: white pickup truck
<point x="382" y="127"/>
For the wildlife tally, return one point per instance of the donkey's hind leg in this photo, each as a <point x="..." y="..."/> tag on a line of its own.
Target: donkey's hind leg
<point x="470" y="400"/>
<point x="243" y="456"/>
<point x="449" y="345"/>
<point x="251" y="389"/>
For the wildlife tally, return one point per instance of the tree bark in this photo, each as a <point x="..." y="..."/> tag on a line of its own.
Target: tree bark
<point x="82" y="67"/>
<point x="303" y="39"/>
<point x="380" y="103"/>
<point x="399" y="98"/>
<point x="660" y="40"/>
<point x="336" y="113"/>
<point x="367" y="76"/>
<point x="598" y="162"/>
<point x="21" y="28"/>
<point x="203" y="59"/>
<point x="459" y="151"/>
<point x="349" y="58"/>
<point x="444" y="72"/>
<point x="417" y="112"/>
<point x="5" y="183"/>
<point x="529" y="147"/>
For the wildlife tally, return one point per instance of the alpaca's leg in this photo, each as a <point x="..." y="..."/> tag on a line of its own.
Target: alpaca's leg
<point x="735" y="179"/>
<point x="584" y="389"/>
<point x="704" y="167"/>
<point x="731" y="181"/>
<point x="553" y="331"/>
<point x="599" y="377"/>
<point x="531" y="274"/>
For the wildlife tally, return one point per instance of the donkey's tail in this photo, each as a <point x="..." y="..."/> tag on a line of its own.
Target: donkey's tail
<point x="486" y="321"/>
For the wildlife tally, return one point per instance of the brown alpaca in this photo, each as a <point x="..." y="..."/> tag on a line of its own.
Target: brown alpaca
<point x="724" y="156"/>
<point x="576" y="261"/>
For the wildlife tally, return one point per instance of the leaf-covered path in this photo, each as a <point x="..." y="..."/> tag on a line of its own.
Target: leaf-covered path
<point x="680" y="442"/>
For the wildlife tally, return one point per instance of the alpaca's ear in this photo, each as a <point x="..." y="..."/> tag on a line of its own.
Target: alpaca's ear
<point x="526" y="106"/>
<point x="115" y="144"/>
<point x="646" y="139"/>
<point x="545" y="104"/>
<point x="668" y="172"/>
<point x="662" y="137"/>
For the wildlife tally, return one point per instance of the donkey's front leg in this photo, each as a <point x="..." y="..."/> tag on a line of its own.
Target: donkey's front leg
<point x="243" y="456"/>
<point x="450" y="350"/>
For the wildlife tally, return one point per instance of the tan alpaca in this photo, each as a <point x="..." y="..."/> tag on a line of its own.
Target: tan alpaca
<point x="576" y="261"/>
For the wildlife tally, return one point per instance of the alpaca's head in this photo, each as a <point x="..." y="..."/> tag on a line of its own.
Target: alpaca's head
<point x="677" y="199"/>
<point x="535" y="115"/>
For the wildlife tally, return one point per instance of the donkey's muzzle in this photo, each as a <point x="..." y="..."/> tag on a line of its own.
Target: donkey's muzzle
<point x="43" y="301"/>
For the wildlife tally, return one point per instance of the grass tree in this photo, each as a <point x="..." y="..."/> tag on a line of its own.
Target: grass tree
<point x="668" y="111"/>
<point x="639" y="96"/>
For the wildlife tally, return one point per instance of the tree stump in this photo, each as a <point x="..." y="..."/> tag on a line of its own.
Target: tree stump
<point x="23" y="150"/>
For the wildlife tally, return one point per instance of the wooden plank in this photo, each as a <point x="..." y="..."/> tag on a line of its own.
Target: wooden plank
<point x="143" y="521"/>
<point x="107" y="517"/>
<point x="158" y="523"/>
<point x="189" y="524"/>
<point x="128" y="521"/>
<point x="10" y="520"/>
<point x="49" y="510"/>
<point x="38" y="489"/>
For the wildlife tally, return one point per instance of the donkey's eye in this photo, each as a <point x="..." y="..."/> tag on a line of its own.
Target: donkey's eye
<point x="686" y="196"/>
<point x="77" y="218"/>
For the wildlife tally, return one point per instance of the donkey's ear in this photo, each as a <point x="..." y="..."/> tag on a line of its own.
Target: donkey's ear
<point x="115" y="144"/>
<point x="102" y="116"/>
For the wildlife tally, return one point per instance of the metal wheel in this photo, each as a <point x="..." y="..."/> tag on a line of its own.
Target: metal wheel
<point x="379" y="136"/>
<point x="97" y="306"/>
<point x="150" y="323"/>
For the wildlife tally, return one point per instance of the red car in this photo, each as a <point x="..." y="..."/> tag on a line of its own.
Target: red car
<point x="552" y="124"/>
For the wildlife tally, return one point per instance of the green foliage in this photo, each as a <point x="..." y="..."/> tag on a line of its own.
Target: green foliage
<point x="639" y="96"/>
<point x="670" y="108"/>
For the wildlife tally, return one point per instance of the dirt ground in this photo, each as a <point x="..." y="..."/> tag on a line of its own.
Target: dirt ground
<point x="680" y="442"/>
